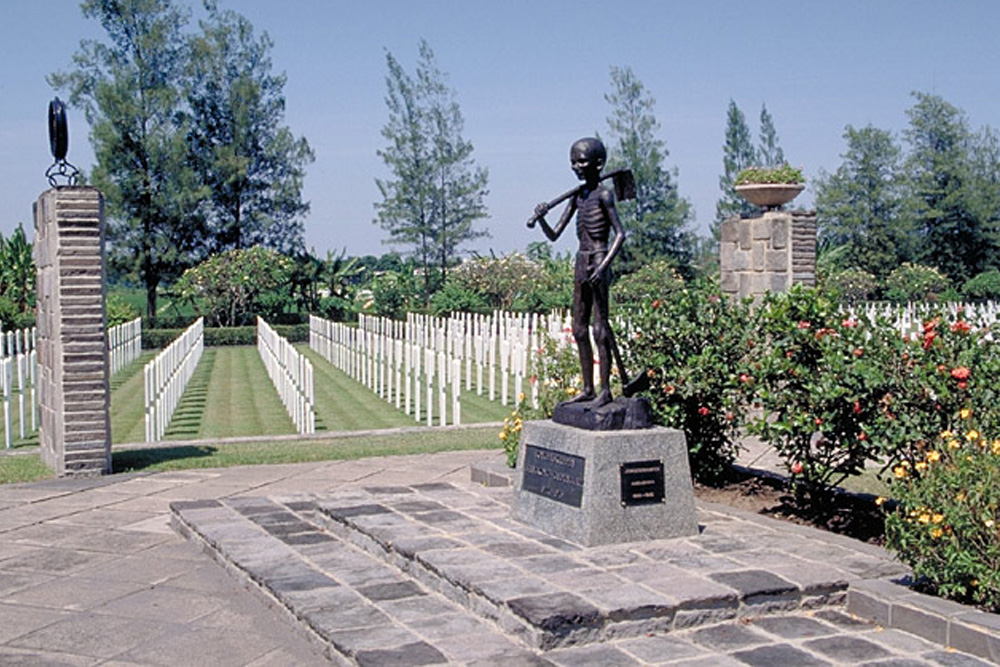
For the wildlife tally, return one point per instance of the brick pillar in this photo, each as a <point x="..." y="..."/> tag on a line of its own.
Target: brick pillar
<point x="768" y="254"/>
<point x="75" y="429"/>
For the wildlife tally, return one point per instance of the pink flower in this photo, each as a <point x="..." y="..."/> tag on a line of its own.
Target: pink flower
<point x="703" y="411"/>
<point x="961" y="327"/>
<point x="797" y="468"/>
<point x="961" y="373"/>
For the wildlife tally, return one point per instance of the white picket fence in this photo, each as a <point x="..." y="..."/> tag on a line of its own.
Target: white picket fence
<point x="292" y="376"/>
<point x="124" y="344"/>
<point x="167" y="375"/>
<point x="420" y="365"/>
<point x="18" y="380"/>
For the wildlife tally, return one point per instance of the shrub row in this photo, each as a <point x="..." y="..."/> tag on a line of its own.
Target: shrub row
<point x="154" y="339"/>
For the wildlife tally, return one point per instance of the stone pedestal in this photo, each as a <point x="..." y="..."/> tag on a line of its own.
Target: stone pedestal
<point x="75" y="429"/>
<point x="768" y="254"/>
<point x="604" y="487"/>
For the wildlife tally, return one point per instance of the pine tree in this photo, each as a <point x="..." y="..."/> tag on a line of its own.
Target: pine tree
<point x="252" y="164"/>
<point x="459" y="184"/>
<point x="859" y="206"/>
<point x="737" y="154"/>
<point x="952" y="237"/>
<point x="655" y="221"/>
<point x="437" y="192"/>
<point x="769" y="153"/>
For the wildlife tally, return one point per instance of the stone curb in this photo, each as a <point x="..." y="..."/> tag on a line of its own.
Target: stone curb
<point x="937" y="620"/>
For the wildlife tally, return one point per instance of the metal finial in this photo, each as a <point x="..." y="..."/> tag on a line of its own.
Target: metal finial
<point x="59" y="144"/>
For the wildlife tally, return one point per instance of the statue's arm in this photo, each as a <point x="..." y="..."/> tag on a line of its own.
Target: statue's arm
<point x="611" y="215"/>
<point x="567" y="214"/>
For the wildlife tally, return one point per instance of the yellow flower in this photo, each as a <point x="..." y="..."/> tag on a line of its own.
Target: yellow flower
<point x="995" y="447"/>
<point x="503" y="435"/>
<point x="921" y="465"/>
<point x="965" y="413"/>
<point x="937" y="518"/>
<point x="954" y="444"/>
<point x="936" y="533"/>
<point x="972" y="435"/>
<point x="899" y="472"/>
<point x="960" y="496"/>
<point x="974" y="583"/>
<point x="520" y="397"/>
<point x="924" y="518"/>
<point x="933" y="456"/>
<point x="880" y="501"/>
<point x="946" y="435"/>
<point x="989" y="523"/>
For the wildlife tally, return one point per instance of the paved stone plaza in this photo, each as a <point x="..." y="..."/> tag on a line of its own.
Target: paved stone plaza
<point x="92" y="573"/>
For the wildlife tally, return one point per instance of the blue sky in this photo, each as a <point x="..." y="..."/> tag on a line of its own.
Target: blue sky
<point x="531" y="78"/>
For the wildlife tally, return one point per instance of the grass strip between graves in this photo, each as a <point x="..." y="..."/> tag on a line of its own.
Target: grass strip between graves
<point x="28" y="467"/>
<point x="209" y="455"/>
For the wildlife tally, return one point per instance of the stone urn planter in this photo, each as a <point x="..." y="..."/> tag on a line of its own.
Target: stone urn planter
<point x="769" y="196"/>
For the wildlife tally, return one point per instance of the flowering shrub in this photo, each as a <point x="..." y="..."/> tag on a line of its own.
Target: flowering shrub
<point x="947" y="524"/>
<point x="852" y="285"/>
<point x="817" y="377"/>
<point x="915" y="282"/>
<point x="839" y="393"/>
<point x="556" y="366"/>
<point x="510" y="434"/>
<point x="693" y="345"/>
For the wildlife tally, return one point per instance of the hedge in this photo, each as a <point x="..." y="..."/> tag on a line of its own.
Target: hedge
<point x="154" y="339"/>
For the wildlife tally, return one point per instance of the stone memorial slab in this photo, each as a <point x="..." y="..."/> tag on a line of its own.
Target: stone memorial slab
<point x="604" y="487"/>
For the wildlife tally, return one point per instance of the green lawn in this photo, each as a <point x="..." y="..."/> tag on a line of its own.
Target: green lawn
<point x="230" y="395"/>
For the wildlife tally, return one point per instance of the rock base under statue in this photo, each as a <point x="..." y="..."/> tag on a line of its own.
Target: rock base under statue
<point x="626" y="414"/>
<point x="604" y="487"/>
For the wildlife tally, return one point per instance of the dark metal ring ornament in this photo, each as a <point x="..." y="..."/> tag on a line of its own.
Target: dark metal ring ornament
<point x="59" y="144"/>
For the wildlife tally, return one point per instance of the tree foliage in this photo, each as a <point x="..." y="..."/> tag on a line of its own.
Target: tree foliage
<point x="436" y="193"/>
<point x="251" y="163"/>
<point x="769" y="153"/>
<point x="951" y="235"/>
<point x="230" y="288"/>
<point x="186" y="129"/>
<point x="859" y="205"/>
<point x="737" y="154"/>
<point x="17" y="281"/>
<point x="656" y="219"/>
<point x="128" y="90"/>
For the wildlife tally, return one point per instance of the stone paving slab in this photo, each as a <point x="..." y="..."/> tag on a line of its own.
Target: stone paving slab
<point x="438" y="573"/>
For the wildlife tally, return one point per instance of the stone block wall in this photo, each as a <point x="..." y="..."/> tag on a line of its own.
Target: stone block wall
<point x="768" y="254"/>
<point x="75" y="428"/>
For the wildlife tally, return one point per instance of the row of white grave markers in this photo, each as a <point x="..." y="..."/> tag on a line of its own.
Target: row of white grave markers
<point x="909" y="319"/>
<point x="167" y="375"/>
<point x="124" y="344"/>
<point x="18" y="376"/>
<point x="414" y="364"/>
<point x="292" y="376"/>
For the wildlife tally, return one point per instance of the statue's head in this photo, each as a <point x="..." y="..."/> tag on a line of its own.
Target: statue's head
<point x="587" y="155"/>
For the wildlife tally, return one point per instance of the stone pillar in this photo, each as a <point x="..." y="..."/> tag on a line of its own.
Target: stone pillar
<point x="75" y="429"/>
<point x="768" y="254"/>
